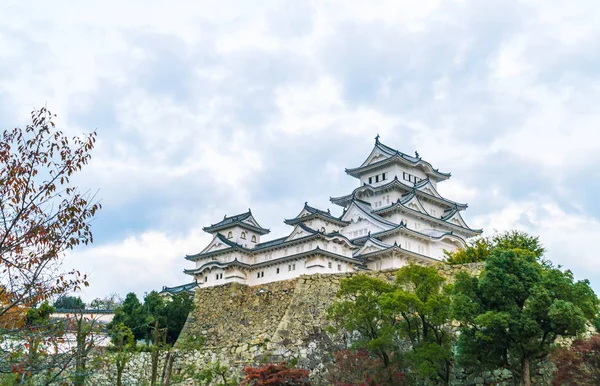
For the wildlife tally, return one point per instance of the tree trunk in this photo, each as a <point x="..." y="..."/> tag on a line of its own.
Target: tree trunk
<point x="525" y="372"/>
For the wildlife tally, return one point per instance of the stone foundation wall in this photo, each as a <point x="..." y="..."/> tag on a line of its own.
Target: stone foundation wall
<point x="274" y="322"/>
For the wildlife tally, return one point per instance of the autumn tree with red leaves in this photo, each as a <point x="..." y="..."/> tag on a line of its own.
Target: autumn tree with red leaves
<point x="578" y="364"/>
<point x="42" y="213"/>
<point x="275" y="375"/>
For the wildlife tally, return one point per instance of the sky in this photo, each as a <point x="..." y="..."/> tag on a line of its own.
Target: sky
<point x="209" y="108"/>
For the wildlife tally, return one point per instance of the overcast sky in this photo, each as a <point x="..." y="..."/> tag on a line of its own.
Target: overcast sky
<point x="206" y="108"/>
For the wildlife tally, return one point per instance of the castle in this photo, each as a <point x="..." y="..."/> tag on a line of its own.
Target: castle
<point x="393" y="217"/>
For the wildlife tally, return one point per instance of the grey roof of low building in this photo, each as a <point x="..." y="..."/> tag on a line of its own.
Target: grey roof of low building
<point x="189" y="287"/>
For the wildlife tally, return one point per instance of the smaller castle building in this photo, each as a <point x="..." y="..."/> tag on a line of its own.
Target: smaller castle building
<point x="393" y="217"/>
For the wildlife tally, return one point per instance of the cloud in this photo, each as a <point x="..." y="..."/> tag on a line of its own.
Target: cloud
<point x="208" y="108"/>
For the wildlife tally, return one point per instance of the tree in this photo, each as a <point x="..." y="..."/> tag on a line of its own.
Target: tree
<point x="42" y="215"/>
<point x="69" y="303"/>
<point x="359" y="312"/>
<point x="123" y="343"/>
<point x="86" y="329"/>
<point x="479" y="249"/>
<point x="109" y="302"/>
<point x="176" y="313"/>
<point x="512" y="314"/>
<point x="578" y="364"/>
<point x="133" y="315"/>
<point x="421" y="306"/>
<point x="275" y="375"/>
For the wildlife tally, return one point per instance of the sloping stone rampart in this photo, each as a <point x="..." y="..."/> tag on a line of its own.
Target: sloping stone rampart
<point x="275" y="321"/>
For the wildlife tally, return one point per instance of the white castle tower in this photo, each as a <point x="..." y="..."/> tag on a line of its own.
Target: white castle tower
<point x="394" y="217"/>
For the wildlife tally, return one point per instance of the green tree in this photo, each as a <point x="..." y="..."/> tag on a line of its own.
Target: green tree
<point x="478" y="250"/>
<point x="123" y="343"/>
<point x="421" y="306"/>
<point x="69" y="303"/>
<point x="360" y="312"/>
<point x="512" y="314"/>
<point x="132" y="315"/>
<point x="176" y="313"/>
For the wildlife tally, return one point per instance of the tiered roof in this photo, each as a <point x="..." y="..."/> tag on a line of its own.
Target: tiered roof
<point x="277" y="243"/>
<point x="243" y="220"/>
<point x="396" y="184"/>
<point x="394" y="156"/>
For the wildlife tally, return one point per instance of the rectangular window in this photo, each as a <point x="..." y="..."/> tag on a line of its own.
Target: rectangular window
<point x="289" y="267"/>
<point x="205" y="279"/>
<point x="217" y="276"/>
<point x="329" y="264"/>
<point x="339" y="267"/>
<point x="377" y="178"/>
<point x="293" y="267"/>
<point x="370" y="180"/>
<point x="383" y="177"/>
<point x="258" y="274"/>
<point x="278" y="271"/>
<point x="262" y="274"/>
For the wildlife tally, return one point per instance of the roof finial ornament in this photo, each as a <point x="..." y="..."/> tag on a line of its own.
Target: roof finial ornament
<point x="224" y="216"/>
<point x="328" y="211"/>
<point x="369" y="234"/>
<point x="377" y="138"/>
<point x="249" y="210"/>
<point x="417" y="154"/>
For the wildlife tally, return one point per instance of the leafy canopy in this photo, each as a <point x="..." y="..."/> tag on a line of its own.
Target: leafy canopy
<point x="513" y="313"/>
<point x="478" y="250"/>
<point x="408" y="318"/>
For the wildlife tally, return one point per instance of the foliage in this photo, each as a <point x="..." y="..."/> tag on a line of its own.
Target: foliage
<point x="42" y="216"/>
<point x="578" y="364"/>
<point x="408" y="319"/>
<point x="478" y="250"/>
<point x="275" y="375"/>
<point x="361" y="369"/>
<point x="512" y="314"/>
<point x="86" y="331"/>
<point x="213" y="374"/>
<point x="359" y="311"/>
<point x="132" y="315"/>
<point x="109" y="302"/>
<point x="123" y="342"/>
<point x="170" y="314"/>
<point x="69" y="303"/>
<point x="176" y="312"/>
<point x="421" y="306"/>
